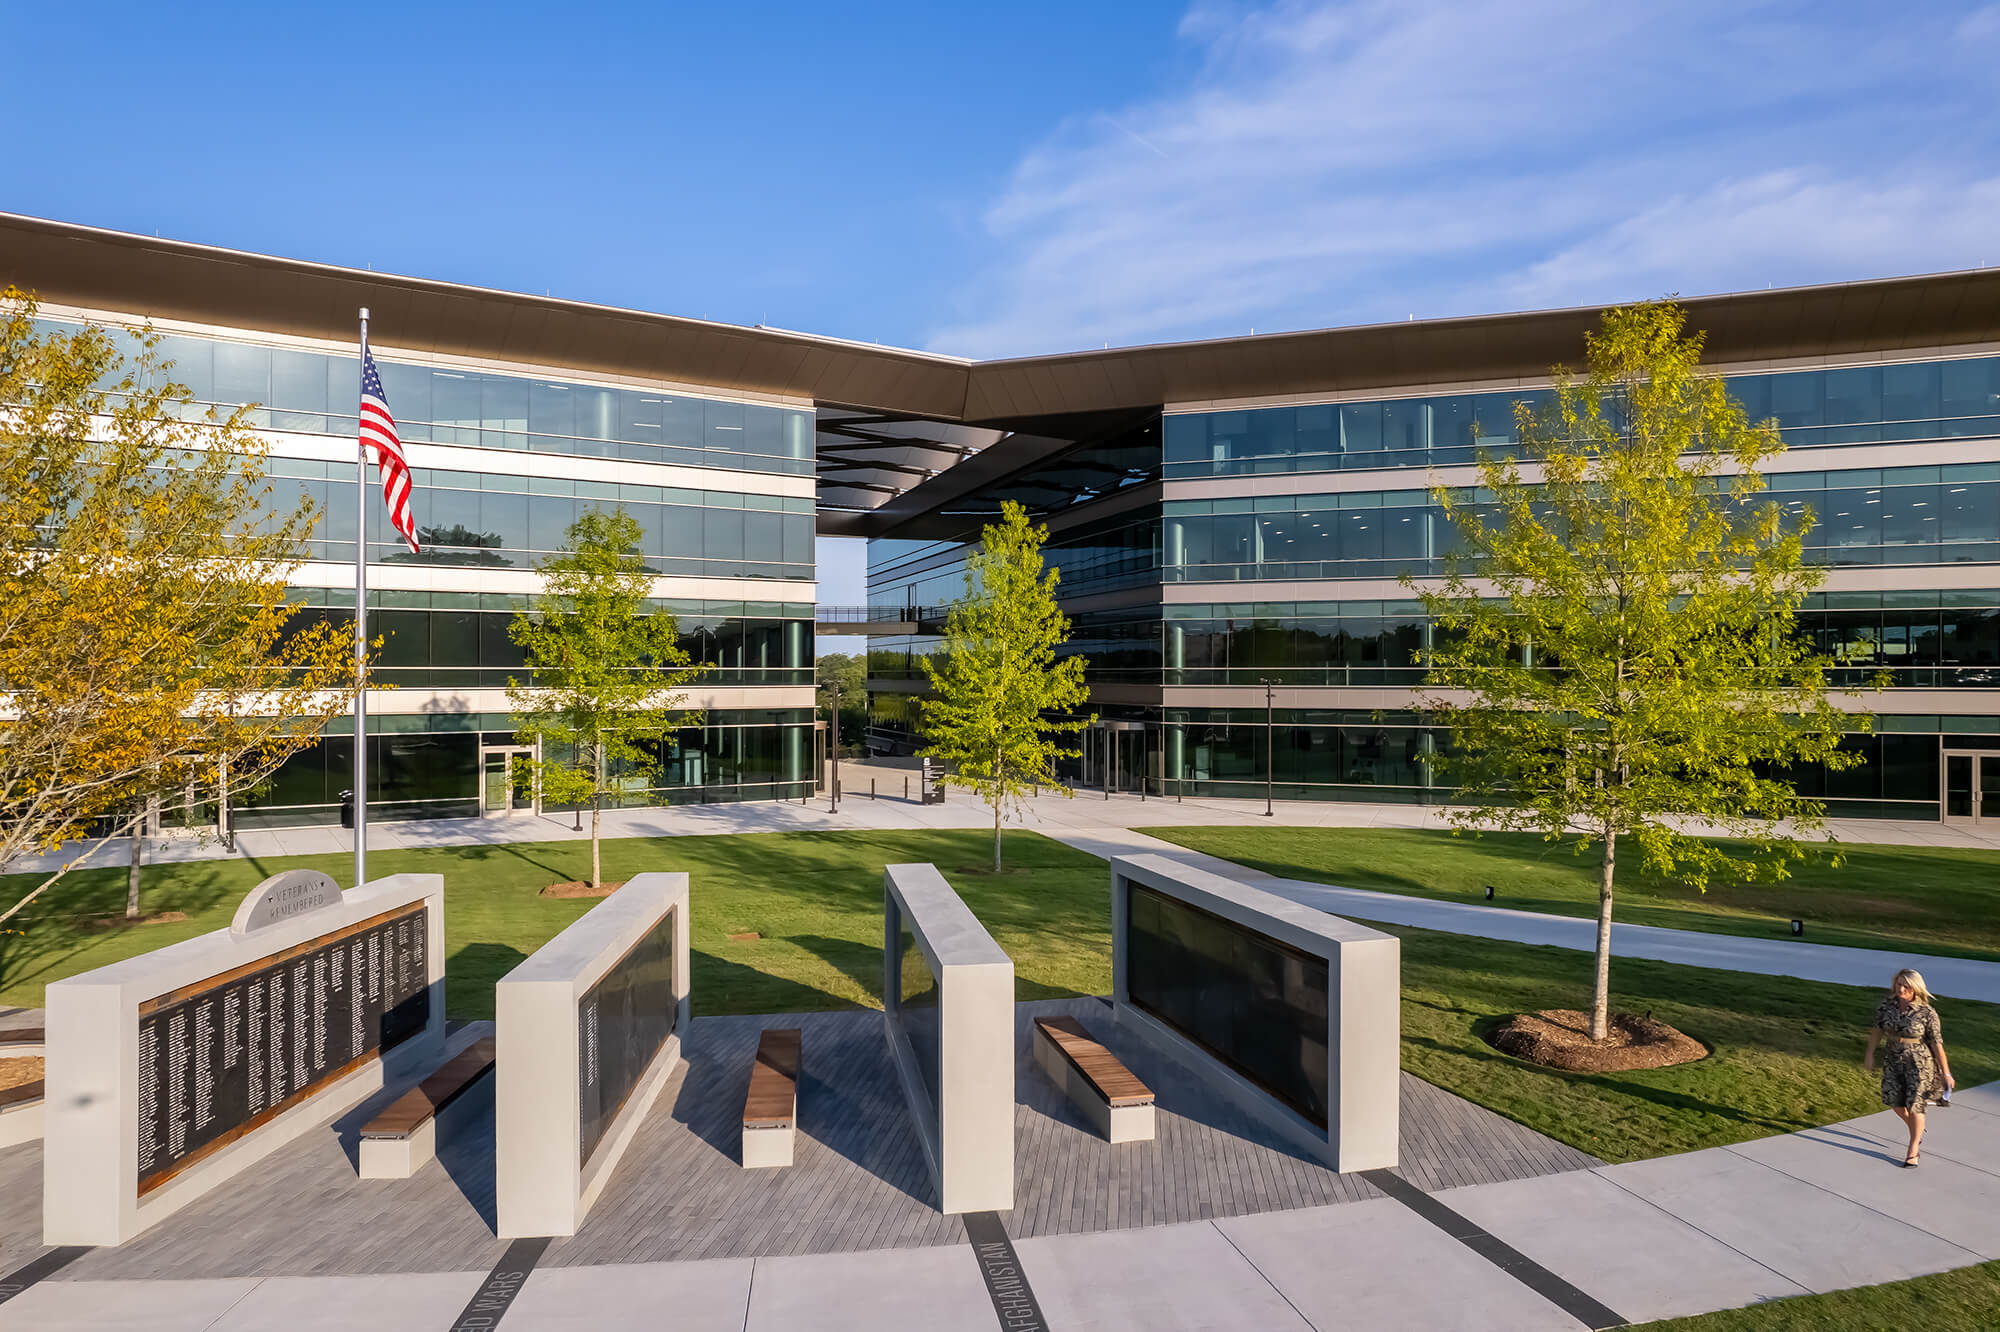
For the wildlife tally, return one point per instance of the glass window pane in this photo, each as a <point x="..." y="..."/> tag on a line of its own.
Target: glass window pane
<point x="549" y="409"/>
<point x="242" y="373"/>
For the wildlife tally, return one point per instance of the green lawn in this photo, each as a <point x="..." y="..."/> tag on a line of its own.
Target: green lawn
<point x="1967" y="1300"/>
<point x="816" y="898"/>
<point x="1929" y="899"/>
<point x="1785" y="1054"/>
<point x="1786" y="1051"/>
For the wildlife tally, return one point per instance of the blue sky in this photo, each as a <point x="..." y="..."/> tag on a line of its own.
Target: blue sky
<point x="1001" y="180"/>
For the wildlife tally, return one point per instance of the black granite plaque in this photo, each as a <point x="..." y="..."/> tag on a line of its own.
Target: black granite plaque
<point x="621" y="1023"/>
<point x="222" y="1056"/>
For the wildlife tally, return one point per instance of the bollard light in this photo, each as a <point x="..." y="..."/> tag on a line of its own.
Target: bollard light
<point x="1489" y="892"/>
<point x="1798" y="928"/>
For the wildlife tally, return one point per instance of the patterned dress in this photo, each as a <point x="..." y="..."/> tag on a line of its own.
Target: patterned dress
<point x="1909" y="1070"/>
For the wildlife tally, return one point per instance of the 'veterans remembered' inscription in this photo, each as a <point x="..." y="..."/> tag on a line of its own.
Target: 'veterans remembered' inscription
<point x="621" y="1023"/>
<point x="222" y="1056"/>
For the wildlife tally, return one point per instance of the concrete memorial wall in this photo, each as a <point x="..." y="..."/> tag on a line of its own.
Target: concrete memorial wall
<point x="589" y="1030"/>
<point x="1292" y="1013"/>
<point x="171" y="1072"/>
<point x="948" y="1008"/>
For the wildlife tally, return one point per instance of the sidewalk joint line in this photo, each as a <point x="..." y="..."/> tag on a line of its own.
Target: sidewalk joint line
<point x="1662" y="1210"/>
<point x="1572" y="1300"/>
<point x="1231" y="1242"/>
<point x="1971" y="1257"/>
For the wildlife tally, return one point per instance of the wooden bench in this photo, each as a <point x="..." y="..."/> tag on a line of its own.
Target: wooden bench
<point x="398" y="1141"/>
<point x="771" y="1110"/>
<point x="1119" y="1104"/>
<point x="12" y="1038"/>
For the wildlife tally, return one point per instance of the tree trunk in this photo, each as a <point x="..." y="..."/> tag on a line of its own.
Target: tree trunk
<point x="1600" y="1001"/>
<point x="132" y="872"/>
<point x="596" y="809"/>
<point x="999" y="799"/>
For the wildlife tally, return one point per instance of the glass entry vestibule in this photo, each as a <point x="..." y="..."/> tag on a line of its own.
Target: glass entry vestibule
<point x="1972" y="786"/>
<point x="508" y="783"/>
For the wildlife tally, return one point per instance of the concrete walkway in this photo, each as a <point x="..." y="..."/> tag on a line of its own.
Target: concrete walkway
<point x="1957" y="978"/>
<point x="1048" y="814"/>
<point x="1808" y="1212"/>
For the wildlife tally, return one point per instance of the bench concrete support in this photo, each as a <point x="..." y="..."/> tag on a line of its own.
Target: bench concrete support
<point x="1118" y="1123"/>
<point x="768" y="1146"/>
<point x="403" y="1156"/>
<point x="543" y="1184"/>
<point x="90" y="1160"/>
<point x="1362" y="1003"/>
<point x="21" y="1121"/>
<point x="967" y="1128"/>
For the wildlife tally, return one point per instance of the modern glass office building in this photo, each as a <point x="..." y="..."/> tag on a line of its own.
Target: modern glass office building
<point x="1231" y="517"/>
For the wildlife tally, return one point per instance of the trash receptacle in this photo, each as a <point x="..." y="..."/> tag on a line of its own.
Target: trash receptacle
<point x="347" y="809"/>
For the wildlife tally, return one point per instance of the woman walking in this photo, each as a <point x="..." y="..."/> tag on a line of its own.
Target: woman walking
<point x="1914" y="1066"/>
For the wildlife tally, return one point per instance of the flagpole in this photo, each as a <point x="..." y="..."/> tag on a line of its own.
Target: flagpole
<point x="361" y="629"/>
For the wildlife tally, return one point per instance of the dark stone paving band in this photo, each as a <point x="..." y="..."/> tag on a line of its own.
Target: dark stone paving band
<point x="490" y="1302"/>
<point x="1578" y="1305"/>
<point x="36" y="1268"/>
<point x="1000" y="1268"/>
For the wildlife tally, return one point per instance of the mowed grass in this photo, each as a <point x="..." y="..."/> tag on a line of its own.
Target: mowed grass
<point x="1786" y="1052"/>
<point x="814" y="898"/>
<point x="1928" y="899"/>
<point x="1967" y="1300"/>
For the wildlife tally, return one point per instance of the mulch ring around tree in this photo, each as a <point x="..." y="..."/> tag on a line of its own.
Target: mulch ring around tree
<point x="1560" y="1038"/>
<point x="577" y="888"/>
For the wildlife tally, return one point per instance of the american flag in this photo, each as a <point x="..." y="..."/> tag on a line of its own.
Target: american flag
<point x="379" y="442"/>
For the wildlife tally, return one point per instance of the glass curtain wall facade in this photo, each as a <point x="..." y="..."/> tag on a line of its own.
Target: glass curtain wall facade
<point x="1911" y="543"/>
<point x="714" y="483"/>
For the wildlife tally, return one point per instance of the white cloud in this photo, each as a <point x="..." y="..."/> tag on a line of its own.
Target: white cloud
<point x="1334" y="163"/>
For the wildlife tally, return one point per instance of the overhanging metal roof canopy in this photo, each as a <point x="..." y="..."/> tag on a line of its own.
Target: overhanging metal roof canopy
<point x="88" y="266"/>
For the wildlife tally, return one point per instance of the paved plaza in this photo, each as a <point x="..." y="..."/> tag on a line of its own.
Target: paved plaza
<point x="1814" y="1211"/>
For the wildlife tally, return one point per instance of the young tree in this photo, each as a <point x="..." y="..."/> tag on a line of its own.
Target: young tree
<point x="986" y="714"/>
<point x="850" y="674"/>
<point x="146" y="643"/>
<point x="604" y="670"/>
<point x="1617" y="651"/>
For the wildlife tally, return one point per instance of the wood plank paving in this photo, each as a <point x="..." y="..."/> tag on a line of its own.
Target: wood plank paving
<point x="859" y="1181"/>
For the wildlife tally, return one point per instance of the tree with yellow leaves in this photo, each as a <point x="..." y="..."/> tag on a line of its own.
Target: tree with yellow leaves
<point x="145" y="640"/>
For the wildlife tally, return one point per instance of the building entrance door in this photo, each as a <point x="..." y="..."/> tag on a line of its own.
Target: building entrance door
<point x="507" y="782"/>
<point x="1971" y="787"/>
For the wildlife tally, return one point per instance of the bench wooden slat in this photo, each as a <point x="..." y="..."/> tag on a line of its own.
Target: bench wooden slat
<point x="24" y="1091"/>
<point x="21" y="1036"/>
<point x="1104" y="1070"/>
<point x="774" y="1079"/>
<point x="407" y="1113"/>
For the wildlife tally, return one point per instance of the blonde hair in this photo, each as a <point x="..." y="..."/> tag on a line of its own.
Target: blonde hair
<point x="1913" y="978"/>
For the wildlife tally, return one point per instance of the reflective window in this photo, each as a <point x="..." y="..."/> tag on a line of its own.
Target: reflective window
<point x="1813" y="408"/>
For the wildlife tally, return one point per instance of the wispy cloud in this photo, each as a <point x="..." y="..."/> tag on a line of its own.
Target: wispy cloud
<point x="1334" y="163"/>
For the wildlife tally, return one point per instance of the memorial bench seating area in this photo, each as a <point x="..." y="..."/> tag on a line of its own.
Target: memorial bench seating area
<point x="771" y="1109"/>
<point x="398" y="1141"/>
<point x="1118" y="1103"/>
<point x="20" y="1106"/>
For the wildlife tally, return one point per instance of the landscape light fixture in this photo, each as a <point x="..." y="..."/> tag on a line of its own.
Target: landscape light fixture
<point x="1798" y="928"/>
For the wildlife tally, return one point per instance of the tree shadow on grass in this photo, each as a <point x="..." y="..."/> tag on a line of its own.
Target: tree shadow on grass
<point x="859" y="962"/>
<point x="1680" y="1103"/>
<point x="83" y="908"/>
<point x="471" y="973"/>
<point x="722" y="988"/>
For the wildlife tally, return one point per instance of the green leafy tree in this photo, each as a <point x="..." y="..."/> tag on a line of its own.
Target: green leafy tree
<point x="987" y="716"/>
<point x="1617" y="650"/>
<point x="605" y="670"/>
<point x="851" y="673"/>
<point x="149" y="659"/>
